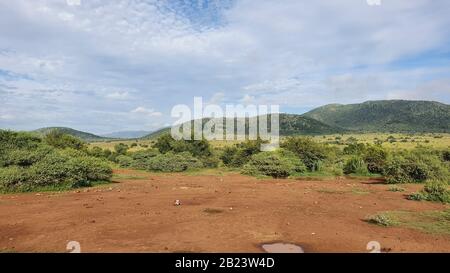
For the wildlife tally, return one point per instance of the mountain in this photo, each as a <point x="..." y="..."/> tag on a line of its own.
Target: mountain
<point x="290" y="124"/>
<point x="386" y="116"/>
<point x="79" y="134"/>
<point x="127" y="134"/>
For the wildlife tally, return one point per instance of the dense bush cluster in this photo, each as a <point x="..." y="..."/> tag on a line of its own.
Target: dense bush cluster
<point x="29" y="162"/>
<point x="280" y="164"/>
<point x="415" y="167"/>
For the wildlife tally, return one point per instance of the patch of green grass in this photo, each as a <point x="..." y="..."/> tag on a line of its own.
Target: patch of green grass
<point x="6" y="250"/>
<point x="384" y="219"/>
<point x="396" y="189"/>
<point x="129" y="177"/>
<point x="433" y="222"/>
<point x="331" y="191"/>
<point x="53" y="188"/>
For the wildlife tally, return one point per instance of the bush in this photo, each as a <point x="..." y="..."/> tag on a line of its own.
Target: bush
<point x="375" y="158"/>
<point x="415" y="167"/>
<point x="355" y="149"/>
<point x="356" y="165"/>
<point x="239" y="154"/>
<point x="435" y="191"/>
<point x="12" y="178"/>
<point x="24" y="157"/>
<point x="124" y="161"/>
<point x="121" y="149"/>
<point x="275" y="164"/>
<point x="446" y="156"/>
<point x="171" y="162"/>
<point x="198" y="148"/>
<point x="396" y="189"/>
<point x="60" y="140"/>
<point x="380" y="220"/>
<point x="311" y="153"/>
<point x="34" y="164"/>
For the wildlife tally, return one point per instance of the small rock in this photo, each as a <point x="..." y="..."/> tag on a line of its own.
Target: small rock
<point x="177" y="203"/>
<point x="313" y="233"/>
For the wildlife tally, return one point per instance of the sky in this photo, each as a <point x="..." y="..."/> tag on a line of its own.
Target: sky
<point x="106" y="66"/>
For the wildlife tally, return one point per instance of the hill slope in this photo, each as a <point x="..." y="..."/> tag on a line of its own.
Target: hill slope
<point x="386" y="116"/>
<point x="79" y="134"/>
<point x="290" y="124"/>
<point x="127" y="134"/>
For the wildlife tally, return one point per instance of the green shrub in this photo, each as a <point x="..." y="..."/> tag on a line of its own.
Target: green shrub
<point x="381" y="219"/>
<point x="435" y="191"/>
<point x="121" y="149"/>
<point x="197" y="148"/>
<point x="24" y="157"/>
<point x="34" y="164"/>
<point x="396" y="189"/>
<point x="239" y="154"/>
<point x="311" y="153"/>
<point x="171" y="162"/>
<point x="356" y="165"/>
<point x="275" y="164"/>
<point x="446" y="156"/>
<point x="355" y="149"/>
<point x="12" y="178"/>
<point x="415" y="167"/>
<point x="60" y="140"/>
<point x="124" y="161"/>
<point x="375" y="158"/>
<point x="18" y="140"/>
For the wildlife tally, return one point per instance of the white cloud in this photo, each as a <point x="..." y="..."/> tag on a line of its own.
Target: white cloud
<point x="61" y="60"/>
<point x="146" y="111"/>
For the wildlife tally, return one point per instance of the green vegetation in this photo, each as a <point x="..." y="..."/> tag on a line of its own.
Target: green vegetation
<point x="386" y="116"/>
<point x="415" y="166"/>
<point x="280" y="164"/>
<point x="395" y="188"/>
<point x="56" y="161"/>
<point x="381" y="219"/>
<point x="69" y="131"/>
<point x="435" y="191"/>
<point x="434" y="222"/>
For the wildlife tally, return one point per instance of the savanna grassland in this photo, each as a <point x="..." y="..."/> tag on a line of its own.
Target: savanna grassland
<point x="119" y="195"/>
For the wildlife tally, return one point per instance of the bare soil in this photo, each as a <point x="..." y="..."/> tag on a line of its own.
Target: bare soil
<point x="229" y="213"/>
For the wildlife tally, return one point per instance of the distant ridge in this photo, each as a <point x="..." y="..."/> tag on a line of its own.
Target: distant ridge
<point x="290" y="124"/>
<point x="386" y="116"/>
<point x="79" y="134"/>
<point x="127" y="134"/>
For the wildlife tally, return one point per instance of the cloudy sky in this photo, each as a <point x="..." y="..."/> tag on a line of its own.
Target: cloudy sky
<point x="104" y="66"/>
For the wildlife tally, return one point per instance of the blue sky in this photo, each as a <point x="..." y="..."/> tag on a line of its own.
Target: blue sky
<point x="105" y="66"/>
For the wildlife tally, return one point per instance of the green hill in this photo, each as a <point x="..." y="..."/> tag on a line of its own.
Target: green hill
<point x="386" y="116"/>
<point x="290" y="124"/>
<point x="79" y="134"/>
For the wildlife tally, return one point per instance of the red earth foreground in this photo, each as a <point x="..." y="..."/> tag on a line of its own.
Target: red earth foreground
<point x="218" y="213"/>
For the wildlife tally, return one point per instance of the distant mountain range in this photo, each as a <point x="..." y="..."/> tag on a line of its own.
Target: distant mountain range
<point x="127" y="134"/>
<point x="372" y="116"/>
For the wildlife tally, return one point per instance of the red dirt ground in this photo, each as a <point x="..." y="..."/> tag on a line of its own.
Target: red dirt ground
<point x="241" y="214"/>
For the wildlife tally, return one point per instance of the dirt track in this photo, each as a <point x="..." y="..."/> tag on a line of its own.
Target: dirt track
<point x="230" y="213"/>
